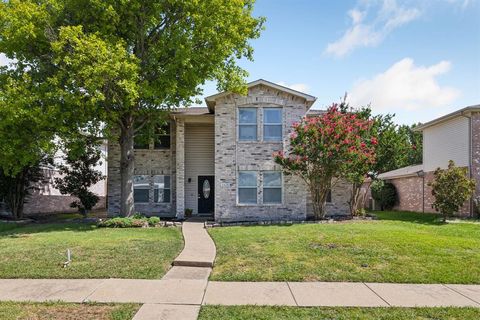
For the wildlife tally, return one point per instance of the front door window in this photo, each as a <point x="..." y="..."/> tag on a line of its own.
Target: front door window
<point x="206" y="189"/>
<point x="206" y="194"/>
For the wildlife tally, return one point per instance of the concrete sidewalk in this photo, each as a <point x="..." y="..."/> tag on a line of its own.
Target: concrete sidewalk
<point x="196" y="292"/>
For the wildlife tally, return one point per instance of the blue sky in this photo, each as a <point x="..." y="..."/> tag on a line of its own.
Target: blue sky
<point x="417" y="59"/>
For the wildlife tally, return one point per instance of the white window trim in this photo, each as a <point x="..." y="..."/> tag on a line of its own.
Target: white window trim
<point x="153" y="188"/>
<point x="247" y="204"/>
<point x="272" y="124"/>
<point x="260" y="187"/>
<point x="281" y="189"/>
<point x="247" y="124"/>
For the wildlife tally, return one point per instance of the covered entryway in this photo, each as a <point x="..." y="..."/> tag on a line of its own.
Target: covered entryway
<point x="200" y="168"/>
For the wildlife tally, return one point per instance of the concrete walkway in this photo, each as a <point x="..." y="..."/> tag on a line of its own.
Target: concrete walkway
<point x="199" y="250"/>
<point x="186" y="281"/>
<point x="181" y="292"/>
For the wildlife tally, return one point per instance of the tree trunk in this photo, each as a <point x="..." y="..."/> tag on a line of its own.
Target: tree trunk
<point x="127" y="167"/>
<point x="319" y="194"/>
<point x="367" y="188"/>
<point x="354" y="198"/>
<point x="16" y="196"/>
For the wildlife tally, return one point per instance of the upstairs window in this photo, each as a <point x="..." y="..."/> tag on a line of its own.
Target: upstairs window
<point x="272" y="124"/>
<point x="247" y="187"/>
<point x="272" y="187"/>
<point x="141" y="188"/>
<point x="162" y="137"/>
<point x="247" y="124"/>
<point x="141" y="139"/>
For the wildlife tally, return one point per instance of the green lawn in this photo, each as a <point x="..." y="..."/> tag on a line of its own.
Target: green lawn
<point x="284" y="313"/>
<point x="66" y="311"/>
<point x="400" y="247"/>
<point x="39" y="250"/>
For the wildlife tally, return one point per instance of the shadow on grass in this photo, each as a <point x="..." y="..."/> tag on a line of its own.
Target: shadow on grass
<point x="19" y="230"/>
<point x="413" y="217"/>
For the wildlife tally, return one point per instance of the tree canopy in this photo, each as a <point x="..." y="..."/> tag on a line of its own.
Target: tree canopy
<point x="124" y="63"/>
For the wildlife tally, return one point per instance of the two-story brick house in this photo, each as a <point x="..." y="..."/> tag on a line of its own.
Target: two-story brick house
<point x="217" y="161"/>
<point x="455" y="136"/>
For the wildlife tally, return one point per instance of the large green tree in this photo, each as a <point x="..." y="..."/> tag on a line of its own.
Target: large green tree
<point x="123" y="63"/>
<point x="27" y="132"/>
<point x="398" y="146"/>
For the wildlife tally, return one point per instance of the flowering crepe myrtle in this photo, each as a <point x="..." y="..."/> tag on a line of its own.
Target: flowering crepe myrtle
<point x="332" y="145"/>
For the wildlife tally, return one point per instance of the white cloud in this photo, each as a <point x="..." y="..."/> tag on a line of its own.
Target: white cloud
<point x="386" y="17"/>
<point x="405" y="86"/>
<point x="463" y="3"/>
<point x="302" y="87"/>
<point x="4" y="61"/>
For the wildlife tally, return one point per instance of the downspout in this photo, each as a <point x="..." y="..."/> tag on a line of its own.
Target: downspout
<point x="470" y="155"/>
<point x="423" y="193"/>
<point x="421" y="174"/>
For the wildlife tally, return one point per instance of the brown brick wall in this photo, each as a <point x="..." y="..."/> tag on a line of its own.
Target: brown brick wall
<point x="47" y="204"/>
<point x="414" y="194"/>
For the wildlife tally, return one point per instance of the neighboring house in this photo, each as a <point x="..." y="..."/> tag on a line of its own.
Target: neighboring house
<point x="47" y="199"/>
<point x="456" y="137"/>
<point x="218" y="161"/>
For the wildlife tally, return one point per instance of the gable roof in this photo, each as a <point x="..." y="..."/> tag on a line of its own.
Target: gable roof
<point x="191" y="111"/>
<point x="211" y="100"/>
<point x="402" y="172"/>
<point x="449" y="116"/>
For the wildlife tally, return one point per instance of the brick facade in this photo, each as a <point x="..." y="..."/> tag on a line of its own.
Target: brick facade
<point x="231" y="156"/>
<point x="46" y="199"/>
<point x="414" y="194"/>
<point x="147" y="162"/>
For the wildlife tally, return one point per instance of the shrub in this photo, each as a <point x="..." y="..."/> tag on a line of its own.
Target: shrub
<point x="138" y="215"/>
<point x="153" y="221"/>
<point x="451" y="188"/>
<point x="139" y="223"/>
<point x="116" y="223"/>
<point x="129" y="222"/>
<point x="384" y="193"/>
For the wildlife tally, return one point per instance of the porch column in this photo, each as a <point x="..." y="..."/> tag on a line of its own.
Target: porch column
<point x="180" y="168"/>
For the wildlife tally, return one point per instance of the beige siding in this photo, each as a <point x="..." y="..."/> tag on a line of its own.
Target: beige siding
<point x="446" y="141"/>
<point x="199" y="159"/>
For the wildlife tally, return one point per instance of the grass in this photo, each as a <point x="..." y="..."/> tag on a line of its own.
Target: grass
<point x="66" y="311"/>
<point x="284" y="313"/>
<point x="400" y="247"/>
<point x="39" y="251"/>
